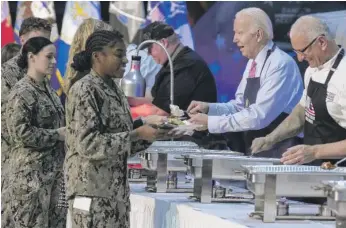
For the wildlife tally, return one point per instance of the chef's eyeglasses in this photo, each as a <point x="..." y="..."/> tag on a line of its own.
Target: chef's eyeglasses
<point x="309" y="45"/>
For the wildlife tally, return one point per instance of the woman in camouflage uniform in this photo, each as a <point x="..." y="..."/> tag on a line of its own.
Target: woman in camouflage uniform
<point x="88" y="26"/>
<point x="100" y="136"/>
<point x="35" y="121"/>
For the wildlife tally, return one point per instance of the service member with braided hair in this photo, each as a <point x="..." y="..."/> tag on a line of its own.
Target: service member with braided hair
<point x="100" y="136"/>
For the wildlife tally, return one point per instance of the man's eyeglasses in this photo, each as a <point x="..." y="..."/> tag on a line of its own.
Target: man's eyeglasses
<point x="309" y="45"/>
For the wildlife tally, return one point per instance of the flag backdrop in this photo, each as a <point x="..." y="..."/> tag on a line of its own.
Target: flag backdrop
<point x="75" y="13"/>
<point x="7" y="34"/>
<point x="215" y="44"/>
<point x="173" y="13"/>
<point x="127" y="17"/>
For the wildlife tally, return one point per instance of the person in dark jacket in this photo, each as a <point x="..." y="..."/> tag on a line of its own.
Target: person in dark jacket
<point x="193" y="79"/>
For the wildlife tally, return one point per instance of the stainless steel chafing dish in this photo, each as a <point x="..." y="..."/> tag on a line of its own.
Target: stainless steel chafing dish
<point x="152" y="159"/>
<point x="157" y="153"/>
<point x="336" y="200"/>
<point x="269" y="182"/>
<point x="135" y="172"/>
<point x="166" y="159"/>
<point x="226" y="166"/>
<point x="206" y="167"/>
<point x="163" y="167"/>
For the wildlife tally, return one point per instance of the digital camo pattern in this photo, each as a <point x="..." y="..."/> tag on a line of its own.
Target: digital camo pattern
<point x="98" y="141"/>
<point x="36" y="157"/>
<point x="11" y="73"/>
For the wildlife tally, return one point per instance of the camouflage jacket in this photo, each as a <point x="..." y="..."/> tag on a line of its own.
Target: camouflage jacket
<point x="32" y="120"/>
<point x="98" y="123"/>
<point x="11" y="73"/>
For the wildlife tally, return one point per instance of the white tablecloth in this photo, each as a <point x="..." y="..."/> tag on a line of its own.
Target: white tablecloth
<point x="175" y="210"/>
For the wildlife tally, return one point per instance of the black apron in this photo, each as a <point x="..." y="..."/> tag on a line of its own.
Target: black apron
<point x="320" y="127"/>
<point x="250" y="95"/>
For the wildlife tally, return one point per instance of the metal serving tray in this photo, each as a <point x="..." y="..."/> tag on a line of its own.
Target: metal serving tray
<point x="293" y="169"/>
<point x="206" y="152"/>
<point x="269" y="182"/>
<point x="172" y="150"/>
<point x="173" y="144"/>
<point x="175" y="160"/>
<point x="207" y="167"/>
<point x="226" y="166"/>
<point x="305" y="179"/>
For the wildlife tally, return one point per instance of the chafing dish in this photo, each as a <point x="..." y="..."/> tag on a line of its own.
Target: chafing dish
<point x="162" y="165"/>
<point x="267" y="182"/>
<point x="206" y="167"/>
<point x="135" y="171"/>
<point x="336" y="200"/>
<point x="165" y="159"/>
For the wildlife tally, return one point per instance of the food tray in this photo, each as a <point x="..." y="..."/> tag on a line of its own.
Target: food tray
<point x="170" y="144"/>
<point x="236" y="157"/>
<point x="218" y="152"/>
<point x="165" y="126"/>
<point x="175" y="150"/>
<point x="217" y="155"/>
<point x="293" y="169"/>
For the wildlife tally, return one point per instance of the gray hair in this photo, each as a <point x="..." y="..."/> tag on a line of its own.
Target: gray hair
<point x="310" y="27"/>
<point x="260" y="20"/>
<point x="173" y="39"/>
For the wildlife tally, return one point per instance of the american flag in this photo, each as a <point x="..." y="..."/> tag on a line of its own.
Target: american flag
<point x="311" y="109"/>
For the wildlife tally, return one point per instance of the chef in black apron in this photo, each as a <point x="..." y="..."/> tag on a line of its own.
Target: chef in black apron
<point x="264" y="97"/>
<point x="251" y="91"/>
<point x="250" y="94"/>
<point x="321" y="129"/>
<point x="319" y="126"/>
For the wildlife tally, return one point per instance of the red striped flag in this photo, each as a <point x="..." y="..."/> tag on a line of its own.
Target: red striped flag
<point x="7" y="34"/>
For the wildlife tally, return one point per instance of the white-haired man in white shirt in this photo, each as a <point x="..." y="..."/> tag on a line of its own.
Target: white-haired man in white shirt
<point x="271" y="86"/>
<point x="322" y="108"/>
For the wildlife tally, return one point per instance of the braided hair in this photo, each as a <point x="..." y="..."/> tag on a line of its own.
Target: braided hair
<point x="97" y="41"/>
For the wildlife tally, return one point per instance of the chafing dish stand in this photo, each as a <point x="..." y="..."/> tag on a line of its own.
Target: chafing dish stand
<point x="336" y="201"/>
<point x="163" y="167"/>
<point x="208" y="167"/>
<point x="269" y="182"/>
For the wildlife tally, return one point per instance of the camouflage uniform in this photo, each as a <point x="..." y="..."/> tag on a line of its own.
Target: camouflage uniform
<point x="98" y="141"/>
<point x="36" y="157"/>
<point x="11" y="73"/>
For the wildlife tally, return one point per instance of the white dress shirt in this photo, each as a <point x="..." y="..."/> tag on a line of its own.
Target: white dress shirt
<point x="280" y="90"/>
<point x="336" y="90"/>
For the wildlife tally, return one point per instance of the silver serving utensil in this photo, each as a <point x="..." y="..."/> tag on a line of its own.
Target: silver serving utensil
<point x="342" y="160"/>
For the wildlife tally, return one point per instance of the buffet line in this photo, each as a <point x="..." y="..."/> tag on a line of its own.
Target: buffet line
<point x="269" y="184"/>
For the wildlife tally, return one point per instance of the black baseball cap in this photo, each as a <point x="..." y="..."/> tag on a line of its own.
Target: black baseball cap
<point x="157" y="31"/>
